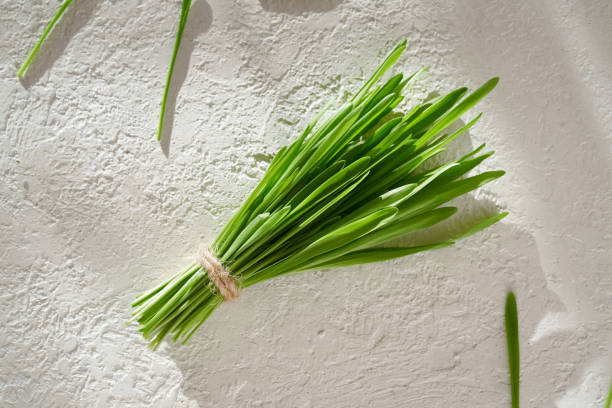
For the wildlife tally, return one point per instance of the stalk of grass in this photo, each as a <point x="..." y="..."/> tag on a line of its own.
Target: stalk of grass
<point x="609" y="400"/>
<point x="513" y="347"/>
<point x="185" y="6"/>
<point x="337" y="196"/>
<point x="50" y="26"/>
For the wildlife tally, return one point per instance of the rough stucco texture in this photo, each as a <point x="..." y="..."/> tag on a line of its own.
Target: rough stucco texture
<point x="93" y="210"/>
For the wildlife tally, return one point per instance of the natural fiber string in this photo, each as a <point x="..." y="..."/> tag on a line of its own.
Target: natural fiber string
<point x="224" y="282"/>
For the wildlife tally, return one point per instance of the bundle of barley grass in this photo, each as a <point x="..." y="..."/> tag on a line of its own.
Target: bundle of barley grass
<point x="333" y="198"/>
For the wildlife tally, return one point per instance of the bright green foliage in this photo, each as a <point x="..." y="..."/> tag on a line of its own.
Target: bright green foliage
<point x="337" y="196"/>
<point x="50" y="26"/>
<point x="513" y="347"/>
<point x="609" y="400"/>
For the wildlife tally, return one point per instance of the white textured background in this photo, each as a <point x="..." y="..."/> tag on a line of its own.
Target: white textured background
<point x="93" y="210"/>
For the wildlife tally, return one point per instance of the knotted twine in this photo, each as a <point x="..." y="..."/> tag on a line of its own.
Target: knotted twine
<point x="220" y="277"/>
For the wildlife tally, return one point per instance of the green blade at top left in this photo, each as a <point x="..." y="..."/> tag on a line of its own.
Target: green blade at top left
<point x="50" y="26"/>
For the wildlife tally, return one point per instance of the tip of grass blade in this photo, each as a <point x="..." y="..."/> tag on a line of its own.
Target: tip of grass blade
<point x="487" y="86"/>
<point x="401" y="44"/>
<point x="482" y="225"/>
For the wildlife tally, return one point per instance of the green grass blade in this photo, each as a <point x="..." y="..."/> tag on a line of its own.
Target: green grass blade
<point x="388" y="88"/>
<point x="313" y="221"/>
<point x="473" y="152"/>
<point x="50" y="26"/>
<point x="274" y="197"/>
<point x="185" y="6"/>
<point x="385" y="233"/>
<point x="266" y="231"/>
<point x="335" y="182"/>
<point x="387" y="63"/>
<point x="400" y="228"/>
<point x="329" y="141"/>
<point x="327" y="240"/>
<point x="435" y="196"/>
<point x="369" y="118"/>
<point x="377" y="255"/>
<point x="305" y="232"/>
<point x="396" y="171"/>
<point x="468" y="102"/>
<point x="512" y="337"/>
<point x="435" y="111"/>
<point x="461" y="168"/>
<point x="397" y="134"/>
<point x="247" y="232"/>
<point x="482" y="225"/>
<point x="609" y="400"/>
<point x="344" y="234"/>
<point x="324" y="175"/>
<point x="329" y="125"/>
<point x="378" y="136"/>
<point x="388" y="199"/>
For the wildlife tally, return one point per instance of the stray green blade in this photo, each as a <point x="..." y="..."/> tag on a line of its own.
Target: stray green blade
<point x="513" y="347"/>
<point x="50" y="26"/>
<point x="609" y="400"/>
<point x="185" y="6"/>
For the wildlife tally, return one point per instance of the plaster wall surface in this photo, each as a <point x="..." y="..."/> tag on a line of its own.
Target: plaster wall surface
<point x="93" y="210"/>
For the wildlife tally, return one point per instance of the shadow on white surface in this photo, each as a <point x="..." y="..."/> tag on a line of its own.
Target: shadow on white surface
<point x="393" y="318"/>
<point x="389" y="322"/>
<point x="299" y="7"/>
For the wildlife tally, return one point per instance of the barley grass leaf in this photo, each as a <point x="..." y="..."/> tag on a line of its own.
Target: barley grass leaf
<point x="185" y="6"/>
<point x="42" y="39"/>
<point x="512" y="337"/>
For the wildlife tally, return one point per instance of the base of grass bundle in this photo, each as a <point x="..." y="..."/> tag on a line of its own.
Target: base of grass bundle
<point x="336" y="197"/>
